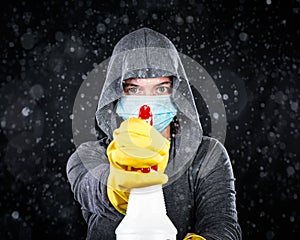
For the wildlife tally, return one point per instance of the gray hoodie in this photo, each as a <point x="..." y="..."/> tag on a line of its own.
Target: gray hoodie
<point x="199" y="195"/>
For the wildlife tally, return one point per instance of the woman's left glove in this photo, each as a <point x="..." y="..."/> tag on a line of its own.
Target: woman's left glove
<point x="136" y="145"/>
<point x="193" y="236"/>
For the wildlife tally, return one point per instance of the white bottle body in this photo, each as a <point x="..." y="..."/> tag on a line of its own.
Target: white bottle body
<point x="146" y="217"/>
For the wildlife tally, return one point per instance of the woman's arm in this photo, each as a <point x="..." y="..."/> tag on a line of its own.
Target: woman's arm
<point x="216" y="215"/>
<point x="87" y="171"/>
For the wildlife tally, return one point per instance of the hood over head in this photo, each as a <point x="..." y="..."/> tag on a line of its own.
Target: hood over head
<point x="146" y="53"/>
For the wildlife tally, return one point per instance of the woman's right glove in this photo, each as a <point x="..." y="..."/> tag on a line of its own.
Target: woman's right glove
<point x="136" y="145"/>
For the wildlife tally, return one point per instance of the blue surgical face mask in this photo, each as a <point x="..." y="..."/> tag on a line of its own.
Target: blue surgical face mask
<point x="162" y="108"/>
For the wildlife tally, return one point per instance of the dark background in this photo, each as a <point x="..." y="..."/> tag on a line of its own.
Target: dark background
<point x="250" y="48"/>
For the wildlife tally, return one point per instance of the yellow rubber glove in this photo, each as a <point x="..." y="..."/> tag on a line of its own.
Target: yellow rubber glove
<point x="136" y="144"/>
<point x="193" y="237"/>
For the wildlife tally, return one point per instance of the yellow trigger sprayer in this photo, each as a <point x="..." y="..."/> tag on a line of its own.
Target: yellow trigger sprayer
<point x="146" y="217"/>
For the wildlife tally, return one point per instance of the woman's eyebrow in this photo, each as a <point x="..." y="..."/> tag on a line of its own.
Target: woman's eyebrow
<point x="130" y="85"/>
<point x="167" y="82"/>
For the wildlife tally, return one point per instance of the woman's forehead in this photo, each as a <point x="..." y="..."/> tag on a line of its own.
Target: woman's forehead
<point x="146" y="81"/>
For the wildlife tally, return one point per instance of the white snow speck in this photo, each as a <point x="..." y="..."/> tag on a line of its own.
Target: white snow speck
<point x="179" y="20"/>
<point x="294" y="105"/>
<point x="101" y="28"/>
<point x="189" y="19"/>
<point x="93" y="131"/>
<point x="290" y="171"/>
<point x="225" y="97"/>
<point x="125" y="19"/>
<point x="3" y="123"/>
<point x="243" y="36"/>
<point x="216" y="115"/>
<point x="26" y="111"/>
<point x="15" y="214"/>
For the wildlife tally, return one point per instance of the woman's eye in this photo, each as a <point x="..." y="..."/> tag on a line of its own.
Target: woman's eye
<point x="132" y="90"/>
<point x="162" y="89"/>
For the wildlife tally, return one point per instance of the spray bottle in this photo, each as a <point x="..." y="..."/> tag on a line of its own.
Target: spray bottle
<point x="146" y="217"/>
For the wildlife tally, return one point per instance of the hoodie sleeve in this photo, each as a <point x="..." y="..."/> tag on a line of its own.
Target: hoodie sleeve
<point x="87" y="171"/>
<point x="216" y="215"/>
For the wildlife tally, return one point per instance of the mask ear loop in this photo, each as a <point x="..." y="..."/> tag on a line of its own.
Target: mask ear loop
<point x="174" y="131"/>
